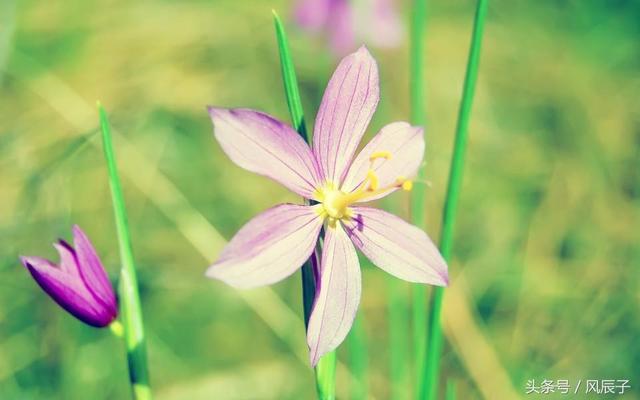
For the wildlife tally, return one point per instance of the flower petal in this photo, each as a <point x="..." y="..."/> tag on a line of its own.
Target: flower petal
<point x="68" y="259"/>
<point x="347" y="106"/>
<point x="337" y="299"/>
<point x="270" y="247"/>
<point x="260" y="143"/>
<point x="397" y="247"/>
<point x="404" y="143"/>
<point x="68" y="291"/>
<point x="340" y="27"/>
<point x="313" y="14"/>
<point x="92" y="271"/>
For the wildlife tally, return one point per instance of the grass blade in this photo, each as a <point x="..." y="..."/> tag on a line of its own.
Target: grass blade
<point x="290" y="80"/>
<point x="326" y="369"/>
<point x="429" y="389"/>
<point x="418" y="195"/>
<point x="128" y="289"/>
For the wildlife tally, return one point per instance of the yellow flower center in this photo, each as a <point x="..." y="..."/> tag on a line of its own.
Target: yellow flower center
<point x="335" y="204"/>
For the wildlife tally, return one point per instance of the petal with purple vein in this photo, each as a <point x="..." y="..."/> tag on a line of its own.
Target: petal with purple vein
<point x="68" y="259"/>
<point x="269" y="248"/>
<point x="68" y="291"/>
<point x="404" y="143"/>
<point x="401" y="249"/>
<point x="337" y="295"/>
<point x="260" y="143"/>
<point x="92" y="271"/>
<point x="348" y="104"/>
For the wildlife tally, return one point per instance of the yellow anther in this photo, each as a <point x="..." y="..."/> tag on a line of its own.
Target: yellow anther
<point x="372" y="178"/>
<point x="336" y="204"/>
<point x="404" y="183"/>
<point x="380" y="154"/>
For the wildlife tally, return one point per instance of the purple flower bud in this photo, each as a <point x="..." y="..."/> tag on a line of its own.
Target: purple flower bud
<point x="79" y="284"/>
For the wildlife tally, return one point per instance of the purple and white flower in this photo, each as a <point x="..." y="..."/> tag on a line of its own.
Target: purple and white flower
<point x="274" y="244"/>
<point x="79" y="284"/>
<point x="347" y="22"/>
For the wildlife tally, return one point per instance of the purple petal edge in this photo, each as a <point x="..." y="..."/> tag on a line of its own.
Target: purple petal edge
<point x="67" y="291"/>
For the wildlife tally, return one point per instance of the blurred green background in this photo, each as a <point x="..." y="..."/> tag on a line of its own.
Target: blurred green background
<point x="547" y="247"/>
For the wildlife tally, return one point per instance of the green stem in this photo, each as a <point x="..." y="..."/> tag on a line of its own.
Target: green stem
<point x="325" y="372"/>
<point x="128" y="288"/>
<point x="326" y="377"/>
<point x="418" y="196"/>
<point x="429" y="390"/>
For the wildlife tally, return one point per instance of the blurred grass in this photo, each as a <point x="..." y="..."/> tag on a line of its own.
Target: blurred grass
<point x="547" y="235"/>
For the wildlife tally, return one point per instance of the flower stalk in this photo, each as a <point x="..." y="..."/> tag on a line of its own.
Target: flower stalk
<point x="131" y="311"/>
<point x="429" y="387"/>
<point x="325" y="371"/>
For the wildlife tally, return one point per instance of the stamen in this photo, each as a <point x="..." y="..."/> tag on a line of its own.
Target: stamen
<point x="336" y="203"/>
<point x="374" y="182"/>
<point x="380" y="154"/>
<point x="404" y="183"/>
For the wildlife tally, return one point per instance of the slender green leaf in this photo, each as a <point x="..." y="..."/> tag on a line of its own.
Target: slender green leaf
<point x="418" y="195"/>
<point x="130" y="309"/>
<point x="290" y="80"/>
<point x="429" y="390"/>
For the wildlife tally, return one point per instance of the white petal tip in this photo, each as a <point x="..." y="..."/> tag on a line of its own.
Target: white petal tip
<point x="442" y="279"/>
<point x="213" y="111"/>
<point x="363" y="49"/>
<point x="208" y="273"/>
<point x="213" y="272"/>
